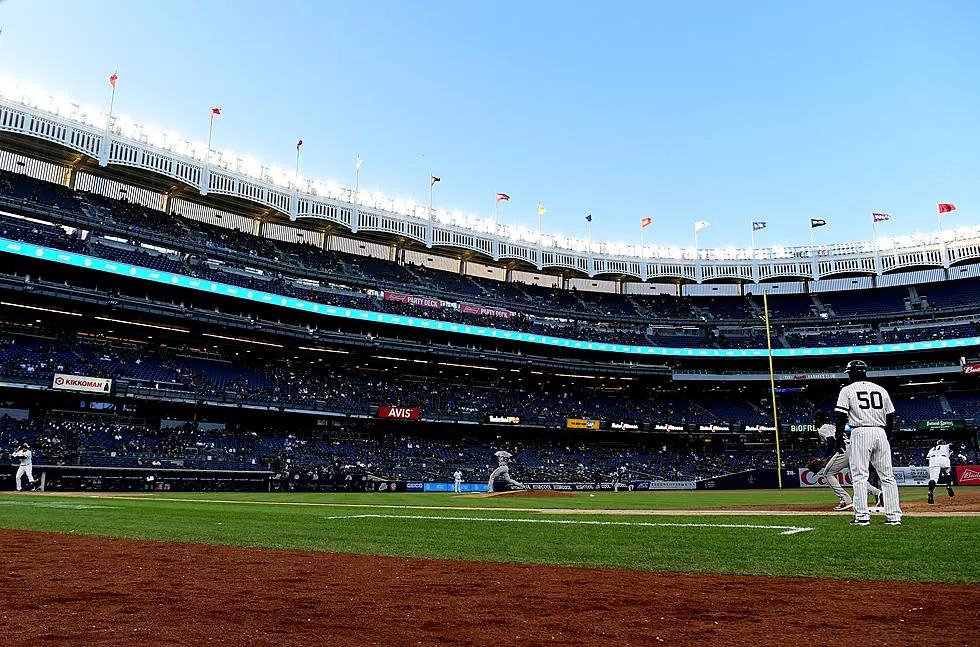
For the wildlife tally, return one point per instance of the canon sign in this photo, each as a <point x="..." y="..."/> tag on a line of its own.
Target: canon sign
<point x="399" y="413"/>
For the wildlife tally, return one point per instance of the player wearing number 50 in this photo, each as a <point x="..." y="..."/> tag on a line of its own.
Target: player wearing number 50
<point x="869" y="410"/>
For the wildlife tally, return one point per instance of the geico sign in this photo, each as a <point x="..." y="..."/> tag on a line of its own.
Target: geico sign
<point x="399" y="413"/>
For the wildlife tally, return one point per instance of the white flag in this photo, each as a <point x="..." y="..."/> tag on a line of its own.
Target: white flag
<point x="699" y="225"/>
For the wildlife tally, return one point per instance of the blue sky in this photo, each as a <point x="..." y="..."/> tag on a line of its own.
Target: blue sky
<point x="681" y="111"/>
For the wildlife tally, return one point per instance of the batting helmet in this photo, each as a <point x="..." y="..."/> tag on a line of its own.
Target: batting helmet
<point x="856" y="369"/>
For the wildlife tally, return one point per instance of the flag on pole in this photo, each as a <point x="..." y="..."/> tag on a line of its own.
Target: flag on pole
<point x="433" y="179"/>
<point x="541" y="209"/>
<point x="817" y="222"/>
<point x="945" y="207"/>
<point x="113" y="79"/>
<point x="645" y="222"/>
<point x="299" y="143"/>
<point x="588" y="218"/>
<point x="699" y="225"/>
<point x="502" y="196"/>
<point x="880" y="217"/>
<point x="215" y="111"/>
<point x="756" y="226"/>
<point x="357" y="164"/>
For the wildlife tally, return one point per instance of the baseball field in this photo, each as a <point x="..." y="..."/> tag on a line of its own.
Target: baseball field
<point x="681" y="568"/>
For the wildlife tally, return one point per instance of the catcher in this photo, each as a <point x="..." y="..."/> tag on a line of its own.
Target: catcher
<point x="834" y="461"/>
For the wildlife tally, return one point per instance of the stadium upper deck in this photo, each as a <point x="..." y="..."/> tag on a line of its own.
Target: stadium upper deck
<point x="76" y="144"/>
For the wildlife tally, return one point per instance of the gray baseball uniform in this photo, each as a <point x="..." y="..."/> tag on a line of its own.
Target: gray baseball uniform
<point x="837" y="463"/>
<point x="502" y="471"/>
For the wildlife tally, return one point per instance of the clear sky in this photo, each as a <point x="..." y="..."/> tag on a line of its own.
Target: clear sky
<point x="679" y="111"/>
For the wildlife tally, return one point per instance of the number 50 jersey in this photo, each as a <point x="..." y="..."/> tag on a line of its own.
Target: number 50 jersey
<point x="865" y="403"/>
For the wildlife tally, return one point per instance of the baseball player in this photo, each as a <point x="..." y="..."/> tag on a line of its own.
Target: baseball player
<point x="837" y="462"/>
<point x="939" y="469"/>
<point x="26" y="465"/>
<point x="869" y="410"/>
<point x="457" y="481"/>
<point x="503" y="470"/>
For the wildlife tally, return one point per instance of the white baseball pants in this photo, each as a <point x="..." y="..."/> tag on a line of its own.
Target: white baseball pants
<point x="869" y="446"/>
<point x="21" y="471"/>
<point x="837" y="464"/>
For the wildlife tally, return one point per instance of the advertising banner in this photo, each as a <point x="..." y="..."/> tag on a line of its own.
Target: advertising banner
<point x="424" y="302"/>
<point x="903" y="476"/>
<point x="968" y="474"/>
<point x="579" y="423"/>
<point x="504" y="420"/>
<point x="399" y="413"/>
<point x="665" y="485"/>
<point x="624" y="426"/>
<point x="448" y="487"/>
<point x="668" y="427"/>
<point x="940" y="425"/>
<point x="471" y="309"/>
<point x="971" y="369"/>
<point x="715" y="429"/>
<point x="81" y="383"/>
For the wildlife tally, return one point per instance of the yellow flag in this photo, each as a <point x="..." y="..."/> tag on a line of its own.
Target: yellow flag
<point x="541" y="209"/>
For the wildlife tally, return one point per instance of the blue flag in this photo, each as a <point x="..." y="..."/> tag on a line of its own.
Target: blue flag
<point x="588" y="218"/>
<point x="756" y="226"/>
<point x="880" y="217"/>
<point x="816" y="222"/>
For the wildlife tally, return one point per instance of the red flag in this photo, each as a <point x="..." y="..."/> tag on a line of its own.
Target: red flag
<point x="646" y="222"/>
<point x="945" y="207"/>
<point x="502" y="196"/>
<point x="299" y="143"/>
<point x="215" y="111"/>
<point x="113" y="79"/>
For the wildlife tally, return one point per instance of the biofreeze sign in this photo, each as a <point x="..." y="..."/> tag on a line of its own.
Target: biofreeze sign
<point x="82" y="383"/>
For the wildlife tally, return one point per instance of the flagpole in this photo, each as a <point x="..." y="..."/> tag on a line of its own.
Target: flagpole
<point x="539" y="223"/>
<point x="643" y="243"/>
<point x="590" y="232"/>
<point x="297" y="164"/>
<point x="942" y="238"/>
<point x="207" y="155"/>
<point x="430" y="193"/>
<point x="357" y="178"/>
<point x="112" y="100"/>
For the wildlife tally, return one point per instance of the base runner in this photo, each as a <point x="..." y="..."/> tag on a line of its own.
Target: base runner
<point x="939" y="469"/>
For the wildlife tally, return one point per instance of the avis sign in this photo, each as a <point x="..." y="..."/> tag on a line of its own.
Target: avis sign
<point x="399" y="413"/>
<point x="81" y="383"/>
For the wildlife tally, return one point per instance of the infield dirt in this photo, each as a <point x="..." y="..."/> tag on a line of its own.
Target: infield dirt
<point x="69" y="590"/>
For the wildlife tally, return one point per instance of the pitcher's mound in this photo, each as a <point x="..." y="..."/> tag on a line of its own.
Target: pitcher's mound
<point x="545" y="494"/>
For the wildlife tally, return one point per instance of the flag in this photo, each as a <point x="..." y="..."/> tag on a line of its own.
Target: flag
<point x="113" y="79"/>
<point x="215" y="111"/>
<point x="299" y="143"/>
<point x="433" y="179"/>
<point x="945" y="207"/>
<point x="541" y="209"/>
<point x="588" y="218"/>
<point x="699" y="225"/>
<point x="816" y="222"/>
<point x="756" y="226"/>
<point x="357" y="164"/>
<point x="880" y="217"/>
<point x="502" y="196"/>
<point x="645" y="222"/>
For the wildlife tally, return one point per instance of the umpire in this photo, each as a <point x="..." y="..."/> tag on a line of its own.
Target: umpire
<point x="869" y="410"/>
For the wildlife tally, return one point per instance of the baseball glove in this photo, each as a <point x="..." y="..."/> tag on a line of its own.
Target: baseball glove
<point x="816" y="464"/>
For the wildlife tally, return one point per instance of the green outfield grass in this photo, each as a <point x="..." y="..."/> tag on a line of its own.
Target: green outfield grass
<point x="924" y="549"/>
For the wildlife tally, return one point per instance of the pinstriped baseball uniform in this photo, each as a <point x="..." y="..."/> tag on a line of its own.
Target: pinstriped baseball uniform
<point x="938" y="458"/>
<point x="838" y="463"/>
<point x="866" y="405"/>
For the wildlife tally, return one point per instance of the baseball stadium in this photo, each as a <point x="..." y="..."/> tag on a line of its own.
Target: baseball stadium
<point x="241" y="406"/>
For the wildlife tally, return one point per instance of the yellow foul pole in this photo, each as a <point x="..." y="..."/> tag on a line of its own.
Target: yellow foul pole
<point x="772" y="390"/>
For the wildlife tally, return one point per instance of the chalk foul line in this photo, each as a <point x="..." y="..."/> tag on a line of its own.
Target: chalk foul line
<point x="787" y="530"/>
